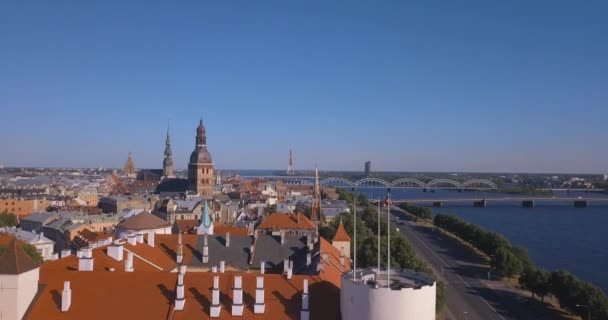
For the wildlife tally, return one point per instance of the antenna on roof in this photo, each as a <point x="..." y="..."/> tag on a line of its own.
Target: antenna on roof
<point x="378" y="271"/>
<point x="388" y="232"/>
<point x="355" y="234"/>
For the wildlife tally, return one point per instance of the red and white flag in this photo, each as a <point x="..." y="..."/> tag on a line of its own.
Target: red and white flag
<point x="387" y="202"/>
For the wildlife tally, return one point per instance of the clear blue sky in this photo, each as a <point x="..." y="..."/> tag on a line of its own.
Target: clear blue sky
<point x="441" y="86"/>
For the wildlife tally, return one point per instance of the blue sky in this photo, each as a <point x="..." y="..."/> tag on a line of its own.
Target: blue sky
<point x="518" y="86"/>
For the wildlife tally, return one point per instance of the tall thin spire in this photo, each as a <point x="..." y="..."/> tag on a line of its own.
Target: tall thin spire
<point x="315" y="211"/>
<point x="168" y="160"/>
<point x="290" y="170"/>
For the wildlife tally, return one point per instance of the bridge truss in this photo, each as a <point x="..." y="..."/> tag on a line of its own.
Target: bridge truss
<point x="337" y="182"/>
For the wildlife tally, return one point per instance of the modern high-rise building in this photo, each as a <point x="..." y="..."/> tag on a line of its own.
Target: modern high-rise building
<point x="200" y="168"/>
<point x="368" y="168"/>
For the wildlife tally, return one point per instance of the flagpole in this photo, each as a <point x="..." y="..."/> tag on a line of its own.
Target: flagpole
<point x="378" y="271"/>
<point x="388" y="231"/>
<point x="355" y="233"/>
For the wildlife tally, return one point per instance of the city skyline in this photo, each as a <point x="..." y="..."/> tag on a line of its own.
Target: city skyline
<point x="450" y="88"/>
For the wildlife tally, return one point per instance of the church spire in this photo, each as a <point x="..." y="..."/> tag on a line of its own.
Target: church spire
<point x="168" y="161"/>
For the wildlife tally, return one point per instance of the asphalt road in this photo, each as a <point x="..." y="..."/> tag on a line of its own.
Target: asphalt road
<point x="468" y="297"/>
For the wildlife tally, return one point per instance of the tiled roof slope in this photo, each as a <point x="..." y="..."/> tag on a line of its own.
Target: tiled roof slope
<point x="277" y="221"/>
<point x="106" y="295"/>
<point x="14" y="260"/>
<point x="341" y="234"/>
<point x="143" y="221"/>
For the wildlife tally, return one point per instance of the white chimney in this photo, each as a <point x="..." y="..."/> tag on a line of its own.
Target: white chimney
<point x="139" y="237"/>
<point x="262" y="267"/>
<point x="66" y="297"/>
<point x="282" y="237"/>
<point x="308" y="259"/>
<point x="55" y="256"/>
<point x="222" y="266"/>
<point x="109" y="240"/>
<point x="237" y="297"/>
<point x="115" y="251"/>
<point x="182" y="269"/>
<point x="305" y="313"/>
<point x="289" y="273"/>
<point x="227" y="239"/>
<point x="214" y="269"/>
<point x="285" y="265"/>
<point x="132" y="239"/>
<point x="151" y="238"/>
<point x="85" y="263"/>
<point x="129" y="263"/>
<point x="101" y="243"/>
<point x="214" y="310"/>
<point x="66" y="253"/>
<point x="79" y="254"/>
<point x="205" y="254"/>
<point x="180" y="299"/>
<point x="259" y="306"/>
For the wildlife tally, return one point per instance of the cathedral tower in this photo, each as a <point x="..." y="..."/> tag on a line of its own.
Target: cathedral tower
<point x="168" y="161"/>
<point x="129" y="168"/>
<point x="200" y="168"/>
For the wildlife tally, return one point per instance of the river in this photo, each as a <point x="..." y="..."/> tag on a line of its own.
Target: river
<point x="556" y="235"/>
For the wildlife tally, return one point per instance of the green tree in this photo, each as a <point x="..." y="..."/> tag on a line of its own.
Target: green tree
<point x="8" y="219"/>
<point x="506" y="263"/>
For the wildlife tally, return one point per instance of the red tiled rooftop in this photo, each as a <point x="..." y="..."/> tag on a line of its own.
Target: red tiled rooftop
<point x="221" y="228"/>
<point x="278" y="221"/>
<point x="14" y="260"/>
<point x="341" y="234"/>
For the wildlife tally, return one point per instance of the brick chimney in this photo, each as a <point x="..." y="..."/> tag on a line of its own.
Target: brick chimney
<point x="237" y="297"/>
<point x="305" y="313"/>
<point x="66" y="297"/>
<point x="259" y="306"/>
<point x="215" y="308"/>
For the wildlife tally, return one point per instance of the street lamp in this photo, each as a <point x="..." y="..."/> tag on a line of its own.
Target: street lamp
<point x="588" y="310"/>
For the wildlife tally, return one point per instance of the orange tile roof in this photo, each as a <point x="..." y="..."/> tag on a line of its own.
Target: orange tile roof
<point x="101" y="263"/>
<point x="221" y="228"/>
<point x="278" y="221"/>
<point x="143" y="221"/>
<point x="187" y="225"/>
<point x="341" y="234"/>
<point x="332" y="268"/>
<point x="108" y="295"/>
<point x="14" y="260"/>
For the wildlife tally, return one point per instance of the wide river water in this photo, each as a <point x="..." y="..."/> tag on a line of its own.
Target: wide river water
<point x="556" y="234"/>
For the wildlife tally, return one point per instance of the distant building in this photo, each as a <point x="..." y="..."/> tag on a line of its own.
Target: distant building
<point x="200" y="168"/>
<point x="368" y="168"/>
<point x="89" y="195"/>
<point x="143" y="223"/>
<point x="23" y="206"/>
<point x="43" y="244"/>
<point x="115" y="204"/>
<point x="129" y="168"/>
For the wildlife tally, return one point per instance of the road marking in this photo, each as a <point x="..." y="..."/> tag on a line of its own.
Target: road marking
<point x="459" y="277"/>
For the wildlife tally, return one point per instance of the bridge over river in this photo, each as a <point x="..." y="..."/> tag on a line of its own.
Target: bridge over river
<point x="527" y="202"/>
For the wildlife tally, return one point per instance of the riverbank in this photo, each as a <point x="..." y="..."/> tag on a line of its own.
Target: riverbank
<point x="511" y="285"/>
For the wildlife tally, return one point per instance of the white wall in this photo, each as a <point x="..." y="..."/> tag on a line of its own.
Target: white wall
<point x="17" y="293"/>
<point x="362" y="302"/>
<point x="166" y="230"/>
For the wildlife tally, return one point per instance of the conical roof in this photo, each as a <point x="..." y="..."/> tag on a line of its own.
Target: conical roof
<point x="14" y="260"/>
<point x="341" y="234"/>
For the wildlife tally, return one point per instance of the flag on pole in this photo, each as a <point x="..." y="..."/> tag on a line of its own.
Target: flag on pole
<point x="387" y="202"/>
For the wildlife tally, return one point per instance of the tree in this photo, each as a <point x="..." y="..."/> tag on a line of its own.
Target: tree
<point x="29" y="249"/>
<point x="362" y="200"/>
<point x="506" y="263"/>
<point x="8" y="219"/>
<point x="541" y="283"/>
